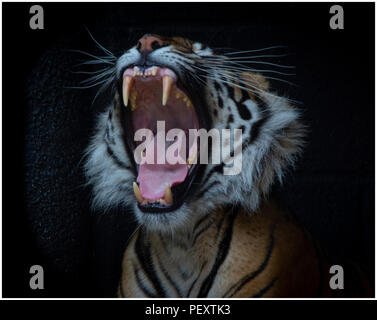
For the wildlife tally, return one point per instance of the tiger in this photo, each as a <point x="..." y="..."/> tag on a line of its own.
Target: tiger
<point x="202" y="233"/>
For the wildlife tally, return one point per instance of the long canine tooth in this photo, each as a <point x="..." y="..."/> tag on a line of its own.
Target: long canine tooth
<point x="166" y="87"/>
<point x="168" y="195"/>
<point x="127" y="84"/>
<point x="137" y="193"/>
<point x="191" y="158"/>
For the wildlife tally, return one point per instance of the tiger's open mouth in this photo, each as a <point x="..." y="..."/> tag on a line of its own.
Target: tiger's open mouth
<point x="151" y="95"/>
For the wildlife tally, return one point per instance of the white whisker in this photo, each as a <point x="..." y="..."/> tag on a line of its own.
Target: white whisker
<point x="266" y="63"/>
<point x="88" y="86"/>
<point x="256" y="50"/>
<point x="108" y="60"/>
<point x="109" y="53"/>
<point x="99" y="76"/>
<point x="89" y="72"/>
<point x="232" y="68"/>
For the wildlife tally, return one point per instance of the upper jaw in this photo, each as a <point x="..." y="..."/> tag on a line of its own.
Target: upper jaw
<point x="168" y="76"/>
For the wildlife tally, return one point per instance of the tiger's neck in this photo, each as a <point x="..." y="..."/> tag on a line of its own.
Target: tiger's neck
<point x="189" y="256"/>
<point x="208" y="226"/>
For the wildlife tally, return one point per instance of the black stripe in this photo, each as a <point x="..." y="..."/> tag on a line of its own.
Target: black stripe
<point x="239" y="284"/>
<point x="243" y="111"/>
<point x="256" y="128"/>
<point x="261" y="292"/>
<point x="219" y="225"/>
<point x="141" y="285"/>
<point x="232" y="93"/>
<point x="109" y="138"/>
<point x="142" y="250"/>
<point x="230" y="120"/>
<point x="166" y="274"/>
<point x="216" y="169"/>
<point x="220" y="101"/>
<point x="257" y="125"/>
<point x="218" y="89"/>
<point x="198" y="223"/>
<point x="221" y="255"/>
<point x="205" y="190"/>
<point x="205" y="228"/>
<point x="119" y="162"/>
<point x="193" y="283"/>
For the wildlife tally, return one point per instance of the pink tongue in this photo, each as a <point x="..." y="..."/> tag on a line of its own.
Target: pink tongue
<point x="153" y="178"/>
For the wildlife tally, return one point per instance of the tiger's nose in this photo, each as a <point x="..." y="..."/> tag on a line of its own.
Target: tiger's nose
<point x="148" y="43"/>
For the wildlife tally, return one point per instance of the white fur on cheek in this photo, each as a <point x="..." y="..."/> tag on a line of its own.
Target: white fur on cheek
<point x="112" y="184"/>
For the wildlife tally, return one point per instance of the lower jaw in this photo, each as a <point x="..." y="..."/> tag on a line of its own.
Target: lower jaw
<point x="177" y="203"/>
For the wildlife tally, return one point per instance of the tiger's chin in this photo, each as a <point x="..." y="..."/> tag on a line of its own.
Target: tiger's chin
<point x="171" y="222"/>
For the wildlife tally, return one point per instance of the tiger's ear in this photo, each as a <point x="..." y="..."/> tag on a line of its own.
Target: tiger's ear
<point x="255" y="80"/>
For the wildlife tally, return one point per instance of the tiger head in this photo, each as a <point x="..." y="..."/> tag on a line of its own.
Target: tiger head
<point x="187" y="85"/>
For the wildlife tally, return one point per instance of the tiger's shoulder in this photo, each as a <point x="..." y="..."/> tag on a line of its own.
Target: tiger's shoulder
<point x="271" y="256"/>
<point x="260" y="254"/>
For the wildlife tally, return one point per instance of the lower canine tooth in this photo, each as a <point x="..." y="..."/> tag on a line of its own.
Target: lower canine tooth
<point x="137" y="193"/>
<point x="126" y="87"/>
<point x="166" y="87"/>
<point x="191" y="159"/>
<point x="168" y="195"/>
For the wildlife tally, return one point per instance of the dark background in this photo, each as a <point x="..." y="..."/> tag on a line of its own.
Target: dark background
<point x="46" y="125"/>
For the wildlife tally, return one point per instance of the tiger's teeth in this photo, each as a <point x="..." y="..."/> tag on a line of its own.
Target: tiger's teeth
<point x="127" y="84"/>
<point x="191" y="159"/>
<point x="167" y="81"/>
<point x="137" y="193"/>
<point x="168" y="195"/>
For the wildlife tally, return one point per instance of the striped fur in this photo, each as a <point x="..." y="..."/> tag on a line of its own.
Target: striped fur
<point x="225" y="240"/>
<point x="228" y="254"/>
